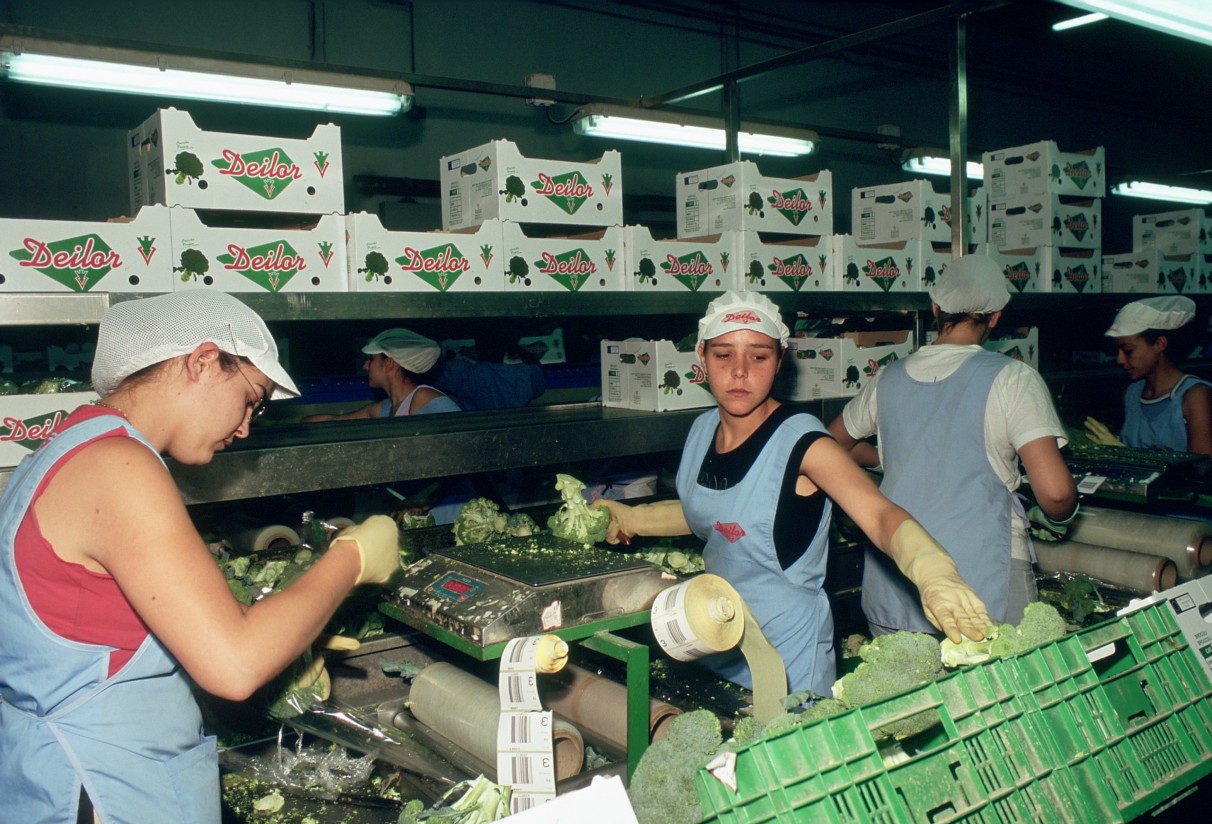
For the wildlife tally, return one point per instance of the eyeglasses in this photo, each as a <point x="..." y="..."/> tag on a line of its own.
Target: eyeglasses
<point x="254" y="409"/>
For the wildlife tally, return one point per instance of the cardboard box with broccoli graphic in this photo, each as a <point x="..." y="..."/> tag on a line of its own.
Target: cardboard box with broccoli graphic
<point x="737" y="196"/>
<point x="1046" y="220"/>
<point x="588" y="262"/>
<point x="171" y="161"/>
<point x="496" y="181"/>
<point x="653" y="376"/>
<point x="879" y="267"/>
<point x="26" y="421"/>
<point x="707" y="264"/>
<point x="1148" y="271"/>
<point x="837" y="367"/>
<point x="903" y="211"/>
<point x="258" y="260"/>
<point x="130" y="255"/>
<point x="806" y="264"/>
<point x="1020" y="343"/>
<point x="387" y="261"/>
<point x="1181" y="232"/>
<point x="1043" y="169"/>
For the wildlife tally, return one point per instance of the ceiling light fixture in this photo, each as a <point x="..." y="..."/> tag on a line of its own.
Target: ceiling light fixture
<point x="1191" y="19"/>
<point x="101" y="68"/>
<point x="693" y="130"/>
<point x="1074" y="22"/>
<point x="920" y="161"/>
<point x="1159" y="191"/>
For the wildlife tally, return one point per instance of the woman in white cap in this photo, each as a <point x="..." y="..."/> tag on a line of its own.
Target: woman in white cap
<point x="1164" y="407"/>
<point x="757" y="483"/>
<point x="112" y="603"/>
<point x="397" y="363"/>
<point x="952" y="422"/>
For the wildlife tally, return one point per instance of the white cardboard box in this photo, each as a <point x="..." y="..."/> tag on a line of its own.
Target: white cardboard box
<point x="1022" y="267"/>
<point x="1021" y="344"/>
<point x="256" y="260"/>
<point x="1041" y="168"/>
<point x="652" y="375"/>
<point x="496" y="181"/>
<point x="1070" y="271"/>
<point x="133" y="255"/>
<point x="1148" y="271"/>
<point x="903" y="211"/>
<point x="172" y="162"/>
<point x="26" y="421"/>
<point x="879" y="267"/>
<point x="386" y="261"/>
<point x="806" y="264"/>
<point x="590" y="262"/>
<point x="838" y="367"/>
<point x="736" y="196"/>
<point x="707" y="264"/>
<point x="1045" y="220"/>
<point x="1186" y="231"/>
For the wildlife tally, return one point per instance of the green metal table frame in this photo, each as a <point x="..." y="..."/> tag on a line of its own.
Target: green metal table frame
<point x="596" y="636"/>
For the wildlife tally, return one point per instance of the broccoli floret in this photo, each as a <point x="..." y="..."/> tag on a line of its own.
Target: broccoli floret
<point x="815" y="711"/>
<point x="575" y="520"/>
<point x="475" y="522"/>
<point x="746" y="730"/>
<point x="1041" y="623"/>
<point x="662" y="790"/>
<point x="891" y="665"/>
<point x="521" y="525"/>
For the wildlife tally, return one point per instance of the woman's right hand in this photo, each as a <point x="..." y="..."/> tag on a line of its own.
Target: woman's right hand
<point x="663" y="518"/>
<point x="1098" y="432"/>
<point x="620" y="529"/>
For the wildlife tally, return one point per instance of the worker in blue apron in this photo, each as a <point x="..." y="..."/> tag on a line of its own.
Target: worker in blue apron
<point x="112" y="603"/>
<point x="952" y="423"/>
<point x="757" y="483"/>
<point x="1164" y="407"/>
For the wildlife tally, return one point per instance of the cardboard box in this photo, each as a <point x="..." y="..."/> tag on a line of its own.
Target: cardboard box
<point x="839" y="367"/>
<point x="736" y="196"/>
<point x="256" y="260"/>
<point x="879" y="267"/>
<point x="707" y="264"/>
<point x="903" y="211"/>
<point x="1022" y="267"/>
<point x="171" y="161"/>
<point x="496" y="181"/>
<point x="1046" y="220"/>
<point x="805" y="264"/>
<point x="133" y="255"/>
<point x="1070" y="271"/>
<point x="1043" y="169"/>
<point x="1147" y="271"/>
<point x="591" y="262"/>
<point x="28" y="420"/>
<point x="1021" y="344"/>
<point x="652" y="375"/>
<point x="384" y="261"/>
<point x="1183" y="232"/>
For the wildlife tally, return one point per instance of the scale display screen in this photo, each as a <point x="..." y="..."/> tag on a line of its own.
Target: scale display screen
<point x="455" y="587"/>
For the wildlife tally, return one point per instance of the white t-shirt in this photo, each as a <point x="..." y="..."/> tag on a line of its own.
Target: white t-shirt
<point x="1019" y="410"/>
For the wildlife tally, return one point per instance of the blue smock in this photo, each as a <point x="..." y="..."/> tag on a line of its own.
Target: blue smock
<point x="133" y="740"/>
<point x="1157" y="423"/>
<point x="737" y="527"/>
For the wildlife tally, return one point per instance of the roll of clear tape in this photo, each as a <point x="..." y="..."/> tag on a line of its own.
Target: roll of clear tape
<point x="705" y="615"/>
<point x="464" y="709"/>
<point x="597" y="707"/>
<point x="1132" y="571"/>
<point x="1187" y="543"/>
<point x="274" y="536"/>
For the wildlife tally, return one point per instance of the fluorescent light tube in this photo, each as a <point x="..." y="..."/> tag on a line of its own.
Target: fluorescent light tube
<point x="935" y="165"/>
<point x="1191" y="19"/>
<point x="264" y="87"/>
<point x="1158" y="191"/>
<point x="688" y="133"/>
<point x="1074" y="22"/>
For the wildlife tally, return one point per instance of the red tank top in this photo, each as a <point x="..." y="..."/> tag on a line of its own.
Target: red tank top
<point x="73" y="601"/>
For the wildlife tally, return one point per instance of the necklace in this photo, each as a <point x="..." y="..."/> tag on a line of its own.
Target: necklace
<point x="109" y="406"/>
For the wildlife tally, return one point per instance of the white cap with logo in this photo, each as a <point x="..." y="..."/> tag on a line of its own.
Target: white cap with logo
<point x="414" y="352"/>
<point x="136" y="334"/>
<point x="743" y="310"/>
<point x="1164" y="312"/>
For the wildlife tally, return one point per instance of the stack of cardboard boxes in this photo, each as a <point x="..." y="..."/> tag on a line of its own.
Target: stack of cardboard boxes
<point x="1171" y="254"/>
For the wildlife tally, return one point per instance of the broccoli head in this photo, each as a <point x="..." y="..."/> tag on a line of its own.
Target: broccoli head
<point x="891" y="664"/>
<point x="662" y="789"/>
<point x="476" y="521"/>
<point x="1041" y="624"/>
<point x="520" y="525"/>
<point x="575" y="520"/>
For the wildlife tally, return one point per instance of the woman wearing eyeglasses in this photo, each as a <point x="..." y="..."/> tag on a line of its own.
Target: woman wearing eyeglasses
<point x="111" y="601"/>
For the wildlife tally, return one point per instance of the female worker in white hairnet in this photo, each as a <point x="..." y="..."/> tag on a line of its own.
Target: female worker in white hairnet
<point x="112" y="604"/>
<point x="1164" y="407"/>
<point x="757" y="483"/>
<point x="952" y="421"/>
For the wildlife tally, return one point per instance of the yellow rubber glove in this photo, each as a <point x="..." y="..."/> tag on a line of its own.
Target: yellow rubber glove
<point x="378" y="542"/>
<point x="1098" y="432"/>
<point x="314" y="677"/>
<point x="663" y="518"/>
<point x="949" y="603"/>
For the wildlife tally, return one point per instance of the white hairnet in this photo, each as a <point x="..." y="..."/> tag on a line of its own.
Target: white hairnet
<point x="414" y="352"/>
<point x="136" y="334"/>
<point x="743" y="310"/>
<point x="972" y="283"/>
<point x="1164" y="312"/>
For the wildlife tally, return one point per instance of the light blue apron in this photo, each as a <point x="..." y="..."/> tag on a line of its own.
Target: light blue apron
<point x="1157" y="424"/>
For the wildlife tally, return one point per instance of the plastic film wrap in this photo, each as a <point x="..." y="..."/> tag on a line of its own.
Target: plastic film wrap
<point x="273" y="536"/>
<point x="598" y="707"/>
<point x="1132" y="571"/>
<point x="1187" y="543"/>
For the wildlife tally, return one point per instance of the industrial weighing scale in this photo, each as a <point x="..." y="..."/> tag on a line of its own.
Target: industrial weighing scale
<point x="477" y="597"/>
